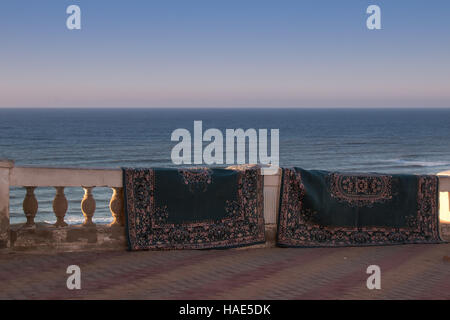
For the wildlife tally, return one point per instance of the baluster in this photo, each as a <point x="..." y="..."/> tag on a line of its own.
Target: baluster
<point x="88" y="206"/>
<point x="116" y="207"/>
<point x="60" y="206"/>
<point x="30" y="206"/>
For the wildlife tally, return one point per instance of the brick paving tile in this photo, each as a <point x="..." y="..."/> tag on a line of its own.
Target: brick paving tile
<point x="407" y="272"/>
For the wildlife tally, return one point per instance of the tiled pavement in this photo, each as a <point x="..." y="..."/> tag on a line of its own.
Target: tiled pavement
<point x="407" y="272"/>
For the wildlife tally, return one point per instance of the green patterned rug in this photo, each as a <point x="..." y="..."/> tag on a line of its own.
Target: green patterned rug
<point x="196" y="208"/>
<point x="326" y="209"/>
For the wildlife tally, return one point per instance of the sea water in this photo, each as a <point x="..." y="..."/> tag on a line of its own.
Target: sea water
<point x="364" y="140"/>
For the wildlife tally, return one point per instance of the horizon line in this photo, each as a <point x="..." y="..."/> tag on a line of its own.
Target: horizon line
<point x="222" y="108"/>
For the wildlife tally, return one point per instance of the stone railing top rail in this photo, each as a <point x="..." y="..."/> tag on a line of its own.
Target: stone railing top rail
<point x="65" y="177"/>
<point x="34" y="176"/>
<point x="48" y="176"/>
<point x="444" y="181"/>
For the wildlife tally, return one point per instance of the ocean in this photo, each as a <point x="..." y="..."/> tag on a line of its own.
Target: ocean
<point x="363" y="140"/>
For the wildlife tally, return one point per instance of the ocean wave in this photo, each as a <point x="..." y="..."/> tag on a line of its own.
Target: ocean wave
<point x="415" y="163"/>
<point x="80" y="220"/>
<point x="71" y="220"/>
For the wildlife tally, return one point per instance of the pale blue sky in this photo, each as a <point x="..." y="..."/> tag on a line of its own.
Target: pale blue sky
<point x="217" y="53"/>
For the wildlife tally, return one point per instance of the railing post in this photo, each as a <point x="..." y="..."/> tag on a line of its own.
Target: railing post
<point x="60" y="206"/>
<point x="116" y="207"/>
<point x="272" y="181"/>
<point x="5" y="168"/>
<point x="30" y="207"/>
<point x="444" y="196"/>
<point x="88" y="206"/>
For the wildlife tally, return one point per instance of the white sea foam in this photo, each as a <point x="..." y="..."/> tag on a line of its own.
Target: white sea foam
<point x="417" y="163"/>
<point x="79" y="220"/>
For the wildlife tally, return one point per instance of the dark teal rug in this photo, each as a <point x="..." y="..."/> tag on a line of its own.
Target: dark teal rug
<point x="196" y="208"/>
<point x="327" y="209"/>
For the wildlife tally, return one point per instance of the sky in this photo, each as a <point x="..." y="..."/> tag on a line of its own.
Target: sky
<point x="224" y="53"/>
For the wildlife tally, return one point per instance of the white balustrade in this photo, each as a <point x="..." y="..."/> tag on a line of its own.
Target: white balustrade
<point x="88" y="179"/>
<point x="60" y="178"/>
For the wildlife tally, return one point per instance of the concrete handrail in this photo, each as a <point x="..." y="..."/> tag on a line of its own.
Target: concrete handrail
<point x="65" y="177"/>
